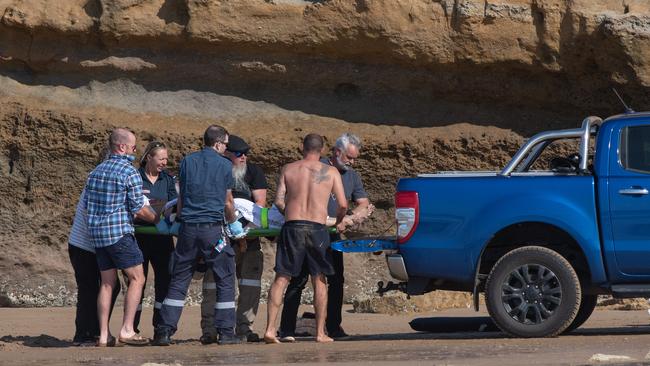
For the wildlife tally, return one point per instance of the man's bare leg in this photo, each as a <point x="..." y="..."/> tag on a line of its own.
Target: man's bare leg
<point x="276" y="293"/>
<point x="320" y="306"/>
<point x="109" y="279"/>
<point x="132" y="299"/>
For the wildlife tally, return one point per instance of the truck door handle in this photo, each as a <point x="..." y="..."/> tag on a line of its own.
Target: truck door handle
<point x="634" y="191"/>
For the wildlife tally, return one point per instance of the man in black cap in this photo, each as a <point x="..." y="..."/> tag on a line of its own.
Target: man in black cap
<point x="250" y="184"/>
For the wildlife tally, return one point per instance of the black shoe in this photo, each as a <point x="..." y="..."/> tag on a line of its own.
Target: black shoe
<point x="252" y="337"/>
<point x="85" y="341"/>
<point x="229" y="339"/>
<point x="339" y="333"/>
<point x="77" y="340"/>
<point x="208" y="339"/>
<point x="161" y="337"/>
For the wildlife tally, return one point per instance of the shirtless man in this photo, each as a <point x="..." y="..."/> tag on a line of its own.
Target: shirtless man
<point x="304" y="189"/>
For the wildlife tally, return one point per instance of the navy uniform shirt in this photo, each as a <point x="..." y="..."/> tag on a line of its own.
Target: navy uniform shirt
<point x="204" y="177"/>
<point x="163" y="190"/>
<point x="254" y="179"/>
<point x="352" y="187"/>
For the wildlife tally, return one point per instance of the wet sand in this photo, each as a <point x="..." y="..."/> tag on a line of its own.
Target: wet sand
<point x="42" y="336"/>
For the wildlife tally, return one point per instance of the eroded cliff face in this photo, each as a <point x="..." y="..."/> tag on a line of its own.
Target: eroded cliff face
<point x="408" y="62"/>
<point x="428" y="85"/>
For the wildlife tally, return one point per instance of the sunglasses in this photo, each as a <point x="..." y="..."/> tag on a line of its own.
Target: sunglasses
<point x="239" y="154"/>
<point x="154" y="146"/>
<point x="132" y="147"/>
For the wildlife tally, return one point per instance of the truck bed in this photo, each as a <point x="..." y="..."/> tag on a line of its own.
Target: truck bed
<point x="454" y="227"/>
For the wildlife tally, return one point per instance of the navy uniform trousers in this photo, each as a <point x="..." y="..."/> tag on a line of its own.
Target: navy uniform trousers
<point x="196" y="240"/>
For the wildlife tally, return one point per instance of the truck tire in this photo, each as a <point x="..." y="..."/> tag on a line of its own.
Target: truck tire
<point x="587" y="306"/>
<point x="533" y="292"/>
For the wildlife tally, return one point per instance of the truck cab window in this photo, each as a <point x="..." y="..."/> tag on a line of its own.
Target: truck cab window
<point x="635" y="148"/>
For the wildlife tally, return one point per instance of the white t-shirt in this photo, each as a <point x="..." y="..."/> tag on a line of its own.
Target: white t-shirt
<point x="253" y="214"/>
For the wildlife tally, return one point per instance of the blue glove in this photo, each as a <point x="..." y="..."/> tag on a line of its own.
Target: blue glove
<point x="162" y="227"/>
<point x="236" y="230"/>
<point x="173" y="229"/>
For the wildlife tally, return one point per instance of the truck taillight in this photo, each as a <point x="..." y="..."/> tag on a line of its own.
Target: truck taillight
<point x="407" y="211"/>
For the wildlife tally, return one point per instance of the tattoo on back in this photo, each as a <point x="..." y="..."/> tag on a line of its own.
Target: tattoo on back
<point x="320" y="176"/>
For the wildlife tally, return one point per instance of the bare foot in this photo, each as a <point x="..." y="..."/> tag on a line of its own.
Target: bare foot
<point x="103" y="340"/>
<point x="324" y="339"/>
<point x="125" y="334"/>
<point x="270" y="339"/>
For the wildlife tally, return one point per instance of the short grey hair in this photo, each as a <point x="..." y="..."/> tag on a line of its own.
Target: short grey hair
<point x="347" y="139"/>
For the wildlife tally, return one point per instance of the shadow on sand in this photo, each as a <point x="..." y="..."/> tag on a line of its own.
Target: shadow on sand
<point x="41" y="341"/>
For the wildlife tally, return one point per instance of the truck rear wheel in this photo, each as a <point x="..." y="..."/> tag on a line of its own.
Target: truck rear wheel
<point x="587" y="306"/>
<point x="533" y="292"/>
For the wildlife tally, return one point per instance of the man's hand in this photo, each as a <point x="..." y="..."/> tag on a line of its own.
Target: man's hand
<point x="345" y="223"/>
<point x="162" y="227"/>
<point x="371" y="209"/>
<point x="360" y="214"/>
<point x="236" y="230"/>
<point x="148" y="214"/>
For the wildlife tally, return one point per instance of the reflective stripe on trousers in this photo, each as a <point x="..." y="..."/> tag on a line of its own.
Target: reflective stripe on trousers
<point x="249" y="282"/>
<point x="224" y="305"/>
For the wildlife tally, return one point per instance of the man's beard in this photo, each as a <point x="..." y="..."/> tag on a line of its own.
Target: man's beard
<point x="341" y="165"/>
<point x="239" y="175"/>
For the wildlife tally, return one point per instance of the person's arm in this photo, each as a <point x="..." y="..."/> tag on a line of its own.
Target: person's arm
<point x="135" y="200"/>
<point x="280" y="195"/>
<point x="339" y="194"/>
<point x="171" y="188"/>
<point x="171" y="194"/>
<point x="259" y="196"/>
<point x="179" y="205"/>
<point x="361" y="206"/>
<point x="258" y="185"/>
<point x="229" y="208"/>
<point x="362" y="210"/>
<point x="180" y="179"/>
<point x="148" y="214"/>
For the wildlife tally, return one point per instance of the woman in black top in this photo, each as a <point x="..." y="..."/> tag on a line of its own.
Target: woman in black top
<point x="159" y="187"/>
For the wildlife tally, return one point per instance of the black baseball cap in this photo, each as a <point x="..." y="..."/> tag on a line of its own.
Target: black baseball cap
<point x="237" y="144"/>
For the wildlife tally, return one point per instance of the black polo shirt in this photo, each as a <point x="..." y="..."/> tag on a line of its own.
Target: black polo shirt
<point x="254" y="179"/>
<point x="163" y="189"/>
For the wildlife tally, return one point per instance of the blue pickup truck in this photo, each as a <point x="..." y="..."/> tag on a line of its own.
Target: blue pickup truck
<point x="541" y="244"/>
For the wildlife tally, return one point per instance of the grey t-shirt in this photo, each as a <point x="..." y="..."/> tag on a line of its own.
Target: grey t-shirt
<point x="79" y="236"/>
<point x="352" y="187"/>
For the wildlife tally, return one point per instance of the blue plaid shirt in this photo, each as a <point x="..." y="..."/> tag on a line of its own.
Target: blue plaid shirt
<point x="113" y="195"/>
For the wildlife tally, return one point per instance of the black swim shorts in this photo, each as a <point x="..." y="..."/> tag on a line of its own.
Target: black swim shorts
<point x="302" y="241"/>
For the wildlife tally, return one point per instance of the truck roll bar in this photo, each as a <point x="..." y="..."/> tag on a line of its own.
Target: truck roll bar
<point x="532" y="146"/>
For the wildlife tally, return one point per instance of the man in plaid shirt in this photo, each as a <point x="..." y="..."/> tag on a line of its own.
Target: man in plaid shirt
<point x="113" y="197"/>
